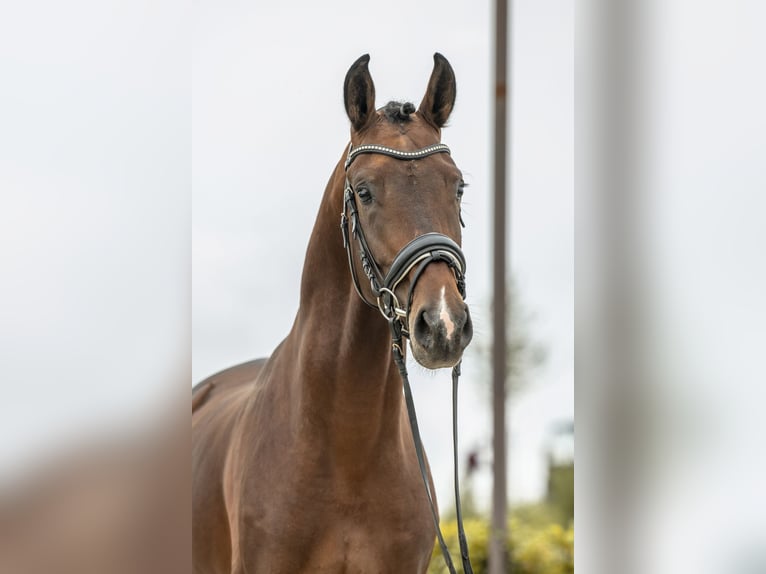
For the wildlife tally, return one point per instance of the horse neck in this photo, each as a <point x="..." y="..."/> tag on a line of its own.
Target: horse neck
<point x="347" y="381"/>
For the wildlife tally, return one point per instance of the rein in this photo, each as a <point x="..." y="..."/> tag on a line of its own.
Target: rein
<point x="417" y="254"/>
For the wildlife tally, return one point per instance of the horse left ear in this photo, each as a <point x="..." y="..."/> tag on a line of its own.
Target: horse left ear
<point x="359" y="94"/>
<point x="439" y="100"/>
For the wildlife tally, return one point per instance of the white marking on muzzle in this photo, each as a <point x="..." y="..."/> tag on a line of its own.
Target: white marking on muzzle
<point x="444" y="315"/>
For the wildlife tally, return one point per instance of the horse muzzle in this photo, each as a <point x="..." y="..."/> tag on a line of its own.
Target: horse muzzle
<point x="440" y="323"/>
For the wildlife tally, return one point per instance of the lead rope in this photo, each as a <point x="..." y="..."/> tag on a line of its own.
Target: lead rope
<point x="396" y="336"/>
<point x="467" y="569"/>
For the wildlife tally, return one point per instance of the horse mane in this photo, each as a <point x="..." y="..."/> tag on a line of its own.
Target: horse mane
<point x="396" y="112"/>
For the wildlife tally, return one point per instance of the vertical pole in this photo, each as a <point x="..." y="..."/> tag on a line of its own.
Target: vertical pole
<point x="498" y="551"/>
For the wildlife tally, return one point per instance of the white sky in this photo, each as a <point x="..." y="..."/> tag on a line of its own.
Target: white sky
<point x="268" y="76"/>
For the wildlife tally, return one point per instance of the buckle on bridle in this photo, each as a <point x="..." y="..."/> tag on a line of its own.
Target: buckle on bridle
<point x="390" y="309"/>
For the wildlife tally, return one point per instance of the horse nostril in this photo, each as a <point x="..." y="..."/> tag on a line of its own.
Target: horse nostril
<point x="460" y="318"/>
<point x="423" y="330"/>
<point x="467" y="332"/>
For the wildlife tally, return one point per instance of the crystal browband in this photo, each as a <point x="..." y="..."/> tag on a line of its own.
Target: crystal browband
<point x="372" y="148"/>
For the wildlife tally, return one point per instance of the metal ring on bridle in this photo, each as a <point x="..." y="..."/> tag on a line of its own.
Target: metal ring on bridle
<point x="393" y="309"/>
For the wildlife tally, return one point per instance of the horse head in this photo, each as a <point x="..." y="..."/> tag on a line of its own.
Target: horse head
<point x="402" y="204"/>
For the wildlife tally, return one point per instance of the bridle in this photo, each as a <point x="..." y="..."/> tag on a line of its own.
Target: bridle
<point x="421" y="251"/>
<point x="415" y="255"/>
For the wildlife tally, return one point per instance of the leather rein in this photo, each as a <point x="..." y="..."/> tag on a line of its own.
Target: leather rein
<point x="416" y="255"/>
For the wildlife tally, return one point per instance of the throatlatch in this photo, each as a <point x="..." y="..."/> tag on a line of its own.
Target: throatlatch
<point x="417" y="254"/>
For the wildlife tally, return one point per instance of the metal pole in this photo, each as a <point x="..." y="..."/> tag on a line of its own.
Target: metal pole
<point x="498" y="550"/>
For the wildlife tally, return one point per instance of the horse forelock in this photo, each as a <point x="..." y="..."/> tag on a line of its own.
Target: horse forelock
<point x="397" y="112"/>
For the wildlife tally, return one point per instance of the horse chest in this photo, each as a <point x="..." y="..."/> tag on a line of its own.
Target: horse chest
<point x="359" y="548"/>
<point x="343" y="547"/>
<point x="323" y="526"/>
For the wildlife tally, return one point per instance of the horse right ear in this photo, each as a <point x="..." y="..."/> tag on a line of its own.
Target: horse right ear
<point x="359" y="94"/>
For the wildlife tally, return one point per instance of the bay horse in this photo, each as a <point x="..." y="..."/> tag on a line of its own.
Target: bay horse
<point x="304" y="462"/>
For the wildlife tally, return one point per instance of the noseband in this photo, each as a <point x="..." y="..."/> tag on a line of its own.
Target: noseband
<point x="417" y="254"/>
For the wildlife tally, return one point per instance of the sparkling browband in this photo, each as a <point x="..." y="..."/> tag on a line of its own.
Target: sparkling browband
<point x="417" y="154"/>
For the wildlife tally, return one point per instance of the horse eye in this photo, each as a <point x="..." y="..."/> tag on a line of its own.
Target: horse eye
<point x="461" y="189"/>
<point x="364" y="194"/>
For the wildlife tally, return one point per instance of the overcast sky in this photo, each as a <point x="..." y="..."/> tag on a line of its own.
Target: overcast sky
<point x="268" y="76"/>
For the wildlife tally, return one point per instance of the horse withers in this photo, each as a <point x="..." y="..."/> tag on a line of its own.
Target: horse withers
<point x="304" y="462"/>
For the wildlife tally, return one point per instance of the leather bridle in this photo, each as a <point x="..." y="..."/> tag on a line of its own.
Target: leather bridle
<point x="415" y="255"/>
<point x="419" y="252"/>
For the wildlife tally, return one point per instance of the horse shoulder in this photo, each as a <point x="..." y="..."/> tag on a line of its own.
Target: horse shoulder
<point x="216" y="402"/>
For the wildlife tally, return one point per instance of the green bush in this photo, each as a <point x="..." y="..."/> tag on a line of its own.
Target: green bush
<point x="538" y="545"/>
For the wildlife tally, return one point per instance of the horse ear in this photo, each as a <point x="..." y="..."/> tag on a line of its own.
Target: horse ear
<point x="440" y="95"/>
<point x="359" y="94"/>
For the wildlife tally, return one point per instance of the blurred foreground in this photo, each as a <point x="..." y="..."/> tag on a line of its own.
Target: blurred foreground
<point x="670" y="316"/>
<point x="118" y="506"/>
